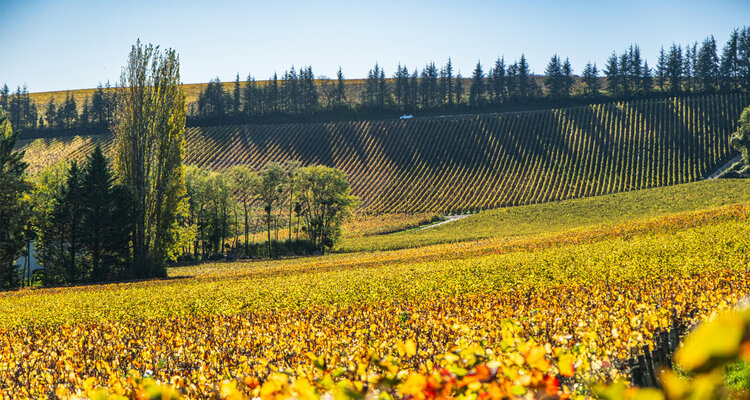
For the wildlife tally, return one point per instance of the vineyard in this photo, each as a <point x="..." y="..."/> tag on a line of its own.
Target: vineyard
<point x="503" y="318"/>
<point x="464" y="163"/>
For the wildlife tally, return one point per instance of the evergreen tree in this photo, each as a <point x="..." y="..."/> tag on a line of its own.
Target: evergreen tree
<point x="459" y="88"/>
<point x="554" y="77"/>
<point x="567" y="78"/>
<point x="523" y="79"/>
<point x="50" y="114"/>
<point x="498" y="81"/>
<point x="339" y="93"/>
<point x="449" y="81"/>
<point x="707" y="69"/>
<point x="84" y="121"/>
<point x="675" y="68"/>
<point x="429" y="92"/>
<point x="236" y="97"/>
<point x="290" y="92"/>
<point x="70" y="212"/>
<point x="591" y="79"/>
<point x="476" y="90"/>
<point x="383" y="95"/>
<point x="413" y="89"/>
<point x="372" y="85"/>
<point x="251" y="104"/>
<point x="647" y="79"/>
<point x="729" y="64"/>
<point x="213" y="101"/>
<point x="272" y="95"/>
<point x="106" y="220"/>
<point x="613" y="75"/>
<point x="661" y="69"/>
<point x="636" y="68"/>
<point x="99" y="117"/>
<point x="401" y="90"/>
<point x="623" y="69"/>
<point x="743" y="58"/>
<point x="4" y="97"/>
<point x="67" y="114"/>
<point x="13" y="215"/>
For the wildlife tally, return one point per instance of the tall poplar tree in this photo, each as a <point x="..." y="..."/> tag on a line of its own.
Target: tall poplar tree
<point x="149" y="148"/>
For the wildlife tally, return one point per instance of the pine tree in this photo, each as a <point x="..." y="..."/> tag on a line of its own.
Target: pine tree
<point x="236" y="98"/>
<point x="476" y="90"/>
<point x="71" y="209"/>
<point x="402" y="86"/>
<point x="613" y="75"/>
<point x="743" y="58"/>
<point x="661" y="69"/>
<point x="459" y="88"/>
<point x="383" y="95"/>
<point x="272" y="95"/>
<point x="707" y="69"/>
<point x="449" y="81"/>
<point x="623" y="69"/>
<point x="99" y="107"/>
<point x="498" y="81"/>
<point x="554" y="77"/>
<point x="413" y="89"/>
<point x="647" y="79"/>
<point x="50" y="114"/>
<point x="675" y="68"/>
<point x="636" y="68"/>
<point x="106" y="219"/>
<point x="4" y="98"/>
<point x="591" y="79"/>
<point x="13" y="215"/>
<point x="250" y="99"/>
<point x="729" y="63"/>
<point x="567" y="78"/>
<point x="524" y="74"/>
<point x="340" y="93"/>
<point x="84" y="121"/>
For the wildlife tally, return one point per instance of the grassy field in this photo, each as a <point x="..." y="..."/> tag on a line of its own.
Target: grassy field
<point x="592" y="295"/>
<point x="465" y="163"/>
<point x="524" y="221"/>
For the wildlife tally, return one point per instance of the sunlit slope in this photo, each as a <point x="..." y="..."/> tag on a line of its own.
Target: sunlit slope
<point x="456" y="163"/>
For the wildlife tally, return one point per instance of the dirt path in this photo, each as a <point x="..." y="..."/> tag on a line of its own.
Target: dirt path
<point x="724" y="167"/>
<point x="448" y="218"/>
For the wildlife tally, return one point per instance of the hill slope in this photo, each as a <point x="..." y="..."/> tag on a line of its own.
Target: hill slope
<point x="455" y="163"/>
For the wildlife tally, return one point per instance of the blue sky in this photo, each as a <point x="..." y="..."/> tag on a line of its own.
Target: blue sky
<point x="60" y="45"/>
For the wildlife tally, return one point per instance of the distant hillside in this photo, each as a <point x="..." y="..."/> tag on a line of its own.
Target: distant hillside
<point x="456" y="163"/>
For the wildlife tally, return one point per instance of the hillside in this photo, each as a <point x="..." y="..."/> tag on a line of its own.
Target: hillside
<point x="457" y="163"/>
<point x="512" y="223"/>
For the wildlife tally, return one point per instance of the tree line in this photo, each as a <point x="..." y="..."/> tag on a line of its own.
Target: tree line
<point x="94" y="115"/>
<point x="128" y="216"/>
<point x="693" y="68"/>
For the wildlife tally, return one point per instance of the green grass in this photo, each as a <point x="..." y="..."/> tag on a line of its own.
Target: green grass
<point x="738" y="375"/>
<point x="522" y="221"/>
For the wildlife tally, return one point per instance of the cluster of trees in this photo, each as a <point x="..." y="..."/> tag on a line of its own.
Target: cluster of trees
<point x="126" y="218"/>
<point x="301" y="210"/>
<point x="296" y="93"/>
<point x="96" y="113"/>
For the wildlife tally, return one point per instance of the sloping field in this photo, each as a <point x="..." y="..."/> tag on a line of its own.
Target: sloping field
<point x="457" y="163"/>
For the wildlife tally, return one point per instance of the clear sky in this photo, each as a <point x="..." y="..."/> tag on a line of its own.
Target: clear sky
<point x="60" y="45"/>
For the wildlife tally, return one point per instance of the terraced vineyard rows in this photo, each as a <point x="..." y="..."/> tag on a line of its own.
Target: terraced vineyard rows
<point x="457" y="163"/>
